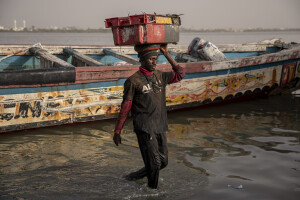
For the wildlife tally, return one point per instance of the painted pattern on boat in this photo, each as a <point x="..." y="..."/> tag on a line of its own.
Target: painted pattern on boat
<point x="60" y="105"/>
<point x="97" y="92"/>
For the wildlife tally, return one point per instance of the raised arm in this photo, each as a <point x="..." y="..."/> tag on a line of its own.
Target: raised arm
<point x="178" y="71"/>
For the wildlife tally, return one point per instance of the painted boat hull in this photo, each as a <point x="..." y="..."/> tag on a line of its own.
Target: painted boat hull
<point x="95" y="93"/>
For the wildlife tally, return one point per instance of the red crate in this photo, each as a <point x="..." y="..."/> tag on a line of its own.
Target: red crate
<point x="144" y="29"/>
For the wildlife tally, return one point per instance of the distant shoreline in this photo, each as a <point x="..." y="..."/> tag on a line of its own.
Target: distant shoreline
<point x="238" y="30"/>
<point x="64" y="30"/>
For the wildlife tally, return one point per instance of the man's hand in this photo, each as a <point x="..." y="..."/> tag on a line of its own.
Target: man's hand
<point x="164" y="48"/>
<point x="117" y="139"/>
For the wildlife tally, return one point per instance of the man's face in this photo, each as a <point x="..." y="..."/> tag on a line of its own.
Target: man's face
<point x="150" y="63"/>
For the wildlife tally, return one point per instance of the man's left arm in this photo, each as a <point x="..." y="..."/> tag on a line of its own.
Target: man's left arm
<point x="178" y="71"/>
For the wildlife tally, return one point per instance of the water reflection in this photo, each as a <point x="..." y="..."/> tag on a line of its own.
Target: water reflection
<point x="34" y="151"/>
<point x="208" y="148"/>
<point x="218" y="131"/>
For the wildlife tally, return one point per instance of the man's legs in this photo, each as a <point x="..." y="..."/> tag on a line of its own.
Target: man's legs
<point x="141" y="173"/>
<point x="155" y="155"/>
<point x="163" y="152"/>
<point x="163" y="149"/>
<point x="150" y="153"/>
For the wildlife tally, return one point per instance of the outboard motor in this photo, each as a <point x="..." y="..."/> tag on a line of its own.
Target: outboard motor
<point x="205" y="50"/>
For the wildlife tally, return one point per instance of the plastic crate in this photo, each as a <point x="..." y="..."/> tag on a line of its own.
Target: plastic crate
<point x="144" y="29"/>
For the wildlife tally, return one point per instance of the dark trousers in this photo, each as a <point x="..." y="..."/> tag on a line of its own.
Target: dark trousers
<point x="154" y="151"/>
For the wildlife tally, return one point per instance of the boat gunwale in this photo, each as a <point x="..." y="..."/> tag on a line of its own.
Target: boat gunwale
<point x="114" y="73"/>
<point x="6" y="49"/>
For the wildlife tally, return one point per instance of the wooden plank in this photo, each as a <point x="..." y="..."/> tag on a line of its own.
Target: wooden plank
<point x="121" y="56"/>
<point x="79" y="59"/>
<point x="48" y="60"/>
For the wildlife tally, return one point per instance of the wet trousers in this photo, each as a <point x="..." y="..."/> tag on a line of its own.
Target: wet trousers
<point x="154" y="151"/>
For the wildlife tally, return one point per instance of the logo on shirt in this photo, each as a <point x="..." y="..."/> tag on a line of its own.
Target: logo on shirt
<point x="156" y="87"/>
<point x="147" y="88"/>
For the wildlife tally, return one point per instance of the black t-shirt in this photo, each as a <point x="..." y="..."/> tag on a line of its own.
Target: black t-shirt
<point x="148" y="95"/>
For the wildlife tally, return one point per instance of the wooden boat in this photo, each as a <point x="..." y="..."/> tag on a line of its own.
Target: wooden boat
<point x="53" y="85"/>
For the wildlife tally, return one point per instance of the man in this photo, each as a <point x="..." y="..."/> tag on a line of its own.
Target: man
<point x="145" y="95"/>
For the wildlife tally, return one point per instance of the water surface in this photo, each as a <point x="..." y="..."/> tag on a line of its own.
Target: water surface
<point x="107" y="38"/>
<point x="246" y="150"/>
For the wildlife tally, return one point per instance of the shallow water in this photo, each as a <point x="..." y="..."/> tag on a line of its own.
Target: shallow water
<point x="246" y="150"/>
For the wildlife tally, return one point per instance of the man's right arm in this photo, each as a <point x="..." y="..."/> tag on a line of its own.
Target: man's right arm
<point x="178" y="71"/>
<point x="125" y="108"/>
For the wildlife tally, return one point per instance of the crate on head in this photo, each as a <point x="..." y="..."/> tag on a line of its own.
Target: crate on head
<point x="144" y="29"/>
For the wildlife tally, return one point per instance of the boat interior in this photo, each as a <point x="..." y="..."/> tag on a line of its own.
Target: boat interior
<point x="30" y="57"/>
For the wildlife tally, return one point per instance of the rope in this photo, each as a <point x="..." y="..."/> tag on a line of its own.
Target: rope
<point x="24" y="50"/>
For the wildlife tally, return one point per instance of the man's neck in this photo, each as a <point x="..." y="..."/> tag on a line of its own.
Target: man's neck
<point x="145" y="71"/>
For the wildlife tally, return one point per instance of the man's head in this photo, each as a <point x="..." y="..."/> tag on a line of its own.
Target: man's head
<point x="148" y="55"/>
<point x="148" y="59"/>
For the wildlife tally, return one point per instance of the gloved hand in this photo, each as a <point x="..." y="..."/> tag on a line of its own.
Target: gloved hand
<point x="117" y="139"/>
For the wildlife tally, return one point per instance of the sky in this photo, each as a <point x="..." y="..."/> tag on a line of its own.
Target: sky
<point x="197" y="14"/>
